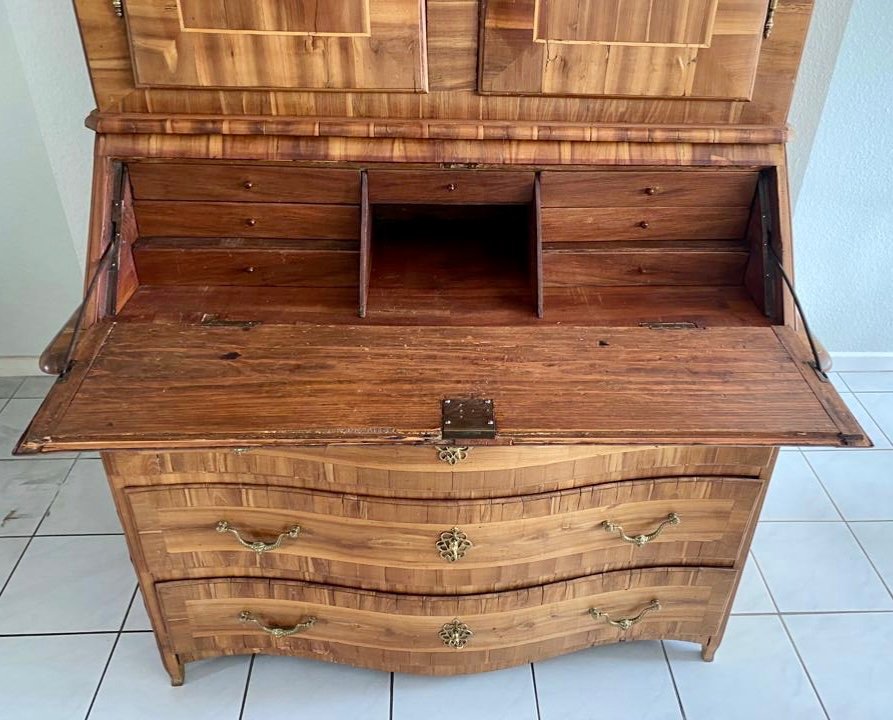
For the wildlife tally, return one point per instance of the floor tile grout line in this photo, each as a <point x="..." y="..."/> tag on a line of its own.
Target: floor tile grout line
<point x="16" y="566"/>
<point x="870" y="561"/>
<point x="756" y="564"/>
<point x="823" y="486"/>
<point x="108" y="661"/>
<point x="247" y="685"/>
<point x="94" y="632"/>
<point x="805" y="669"/>
<point x="663" y="648"/>
<point x="868" y="412"/>
<point x="55" y="495"/>
<point x="536" y="694"/>
<point x="391" y="706"/>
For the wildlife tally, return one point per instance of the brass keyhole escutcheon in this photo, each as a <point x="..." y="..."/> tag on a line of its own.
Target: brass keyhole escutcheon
<point x="456" y="634"/>
<point x="453" y="544"/>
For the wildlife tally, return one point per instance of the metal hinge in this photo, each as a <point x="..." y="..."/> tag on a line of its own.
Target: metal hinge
<point x="118" y="5"/>
<point x="770" y="18"/>
<point x="670" y="325"/>
<point x="467" y="419"/>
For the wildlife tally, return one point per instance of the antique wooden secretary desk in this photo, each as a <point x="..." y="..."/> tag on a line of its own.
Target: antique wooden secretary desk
<point x="438" y="336"/>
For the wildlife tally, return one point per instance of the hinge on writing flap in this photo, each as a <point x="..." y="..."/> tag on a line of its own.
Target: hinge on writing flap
<point x="670" y="325"/>
<point x="770" y="19"/>
<point x="118" y="5"/>
<point x="467" y="419"/>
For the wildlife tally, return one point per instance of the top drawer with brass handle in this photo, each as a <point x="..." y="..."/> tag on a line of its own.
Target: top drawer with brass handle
<point x="440" y="547"/>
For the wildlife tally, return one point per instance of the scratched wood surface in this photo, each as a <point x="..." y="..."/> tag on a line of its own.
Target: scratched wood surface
<point x="193" y="386"/>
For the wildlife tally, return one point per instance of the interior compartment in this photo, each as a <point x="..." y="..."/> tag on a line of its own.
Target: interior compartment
<point x="461" y="257"/>
<point x="279" y="242"/>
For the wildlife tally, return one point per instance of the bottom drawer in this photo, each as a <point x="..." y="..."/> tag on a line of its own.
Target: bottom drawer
<point x="441" y="635"/>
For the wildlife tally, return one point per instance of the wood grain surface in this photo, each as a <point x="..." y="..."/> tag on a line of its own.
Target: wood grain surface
<point x="400" y="632"/>
<point x="149" y="385"/>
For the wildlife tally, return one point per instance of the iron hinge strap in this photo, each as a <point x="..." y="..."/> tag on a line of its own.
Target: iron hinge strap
<point x="118" y="6"/>
<point x="770" y="19"/>
<point x="816" y="361"/>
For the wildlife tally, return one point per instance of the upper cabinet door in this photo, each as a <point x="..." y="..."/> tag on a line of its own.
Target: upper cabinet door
<point x="370" y="45"/>
<point x="638" y="48"/>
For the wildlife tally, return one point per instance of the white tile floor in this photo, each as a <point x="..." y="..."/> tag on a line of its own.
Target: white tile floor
<point x="811" y="636"/>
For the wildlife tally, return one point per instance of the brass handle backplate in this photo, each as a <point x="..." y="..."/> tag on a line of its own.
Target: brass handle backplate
<point x="259" y="546"/>
<point x="625" y="623"/>
<point x="455" y="634"/>
<point x="453" y="544"/>
<point x="277" y="632"/>
<point x="452" y="455"/>
<point x="644" y="539"/>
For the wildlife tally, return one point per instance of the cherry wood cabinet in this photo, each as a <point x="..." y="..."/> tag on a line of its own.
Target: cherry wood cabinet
<point x="438" y="337"/>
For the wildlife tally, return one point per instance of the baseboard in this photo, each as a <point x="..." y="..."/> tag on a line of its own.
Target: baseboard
<point x="862" y="361"/>
<point x="18" y="366"/>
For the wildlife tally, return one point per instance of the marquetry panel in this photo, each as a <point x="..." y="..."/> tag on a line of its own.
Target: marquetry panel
<point x="618" y="22"/>
<point x="298" y="17"/>
<point x="402" y="632"/>
<point x="392" y="544"/>
<point x="287" y="44"/>
<point x="676" y="48"/>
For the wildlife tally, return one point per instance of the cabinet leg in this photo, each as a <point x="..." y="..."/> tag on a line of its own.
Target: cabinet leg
<point x="175" y="669"/>
<point x="708" y="651"/>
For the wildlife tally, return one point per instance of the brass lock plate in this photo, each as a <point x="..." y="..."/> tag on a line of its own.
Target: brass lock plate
<point x="467" y="419"/>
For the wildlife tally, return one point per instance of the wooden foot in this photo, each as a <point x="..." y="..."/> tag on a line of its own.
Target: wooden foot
<point x="175" y="669"/>
<point x="708" y="652"/>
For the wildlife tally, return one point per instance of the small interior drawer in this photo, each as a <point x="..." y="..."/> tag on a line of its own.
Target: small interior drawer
<point x="609" y="189"/>
<point x="418" y="634"/>
<point x="169" y="218"/>
<point x="566" y="224"/>
<point x="438" y="547"/>
<point x="244" y="183"/>
<point x="448" y="187"/>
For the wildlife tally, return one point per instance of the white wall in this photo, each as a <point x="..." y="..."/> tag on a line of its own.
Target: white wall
<point x="844" y="215"/>
<point x="52" y="58"/>
<point x="39" y="269"/>
<point x="829" y="20"/>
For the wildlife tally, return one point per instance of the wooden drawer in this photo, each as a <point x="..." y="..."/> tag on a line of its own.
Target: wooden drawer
<point x="418" y="472"/>
<point x="239" y="261"/>
<point x="646" y="223"/>
<point x="161" y="218"/>
<point x="404" y="632"/>
<point x="244" y="183"/>
<point x="438" y="547"/>
<point x="439" y="187"/>
<point x="648" y="189"/>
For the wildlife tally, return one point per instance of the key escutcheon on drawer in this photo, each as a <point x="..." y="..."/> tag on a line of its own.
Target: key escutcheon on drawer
<point x="441" y="635"/>
<point x="441" y="547"/>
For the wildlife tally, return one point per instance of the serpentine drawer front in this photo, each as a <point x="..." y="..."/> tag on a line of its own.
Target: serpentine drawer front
<point x="449" y="635"/>
<point x="440" y="547"/>
<point x="423" y="473"/>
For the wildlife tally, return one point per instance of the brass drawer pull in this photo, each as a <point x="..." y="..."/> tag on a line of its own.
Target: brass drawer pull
<point x="453" y="544"/>
<point x="277" y="632"/>
<point x="625" y="623"/>
<point x="640" y="540"/>
<point x="257" y="545"/>
<point x="455" y="634"/>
